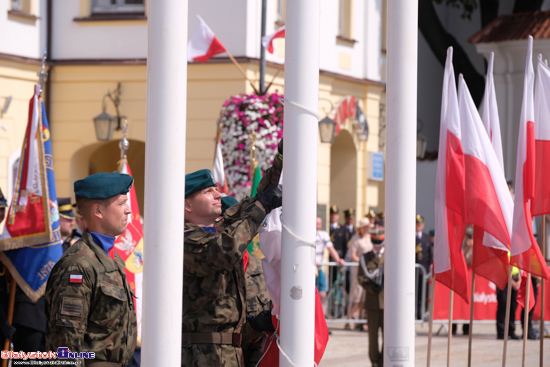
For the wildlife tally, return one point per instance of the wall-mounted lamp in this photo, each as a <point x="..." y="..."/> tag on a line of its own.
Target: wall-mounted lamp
<point x="7" y="101"/>
<point x="104" y="123"/>
<point x="327" y="129"/>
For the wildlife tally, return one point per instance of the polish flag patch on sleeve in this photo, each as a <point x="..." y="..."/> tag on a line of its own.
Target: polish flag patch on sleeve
<point x="75" y="278"/>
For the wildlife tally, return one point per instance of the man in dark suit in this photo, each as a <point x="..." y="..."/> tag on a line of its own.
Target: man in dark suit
<point x="424" y="257"/>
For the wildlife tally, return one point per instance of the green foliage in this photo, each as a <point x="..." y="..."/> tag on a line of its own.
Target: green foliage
<point x="467" y="6"/>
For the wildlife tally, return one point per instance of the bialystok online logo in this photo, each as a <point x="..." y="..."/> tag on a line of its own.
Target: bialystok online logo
<point x="62" y="353"/>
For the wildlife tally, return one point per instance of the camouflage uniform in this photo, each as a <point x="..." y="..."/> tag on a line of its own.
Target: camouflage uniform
<point x="257" y="300"/>
<point x="214" y="287"/>
<point x="96" y="315"/>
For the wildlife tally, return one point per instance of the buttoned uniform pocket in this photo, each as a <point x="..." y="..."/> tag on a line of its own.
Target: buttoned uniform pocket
<point x="109" y="306"/>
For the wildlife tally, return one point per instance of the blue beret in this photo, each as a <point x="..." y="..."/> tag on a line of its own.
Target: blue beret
<point x="197" y="181"/>
<point x="65" y="208"/>
<point x="103" y="185"/>
<point x="228" y="202"/>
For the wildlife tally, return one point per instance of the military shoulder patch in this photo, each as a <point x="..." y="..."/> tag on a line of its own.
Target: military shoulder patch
<point x="72" y="306"/>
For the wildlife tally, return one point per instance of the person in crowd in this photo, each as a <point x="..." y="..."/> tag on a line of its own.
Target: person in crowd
<point x="424" y="257"/>
<point x="468" y="251"/>
<point x="66" y="222"/>
<point x="214" y="291"/>
<point x="359" y="244"/>
<point x="6" y="330"/>
<point x="322" y="242"/>
<point x="501" y="306"/>
<point x="89" y="303"/>
<point x="371" y="278"/>
<point x="339" y="241"/>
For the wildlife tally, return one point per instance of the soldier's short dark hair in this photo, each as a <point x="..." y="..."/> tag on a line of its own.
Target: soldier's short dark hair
<point x="85" y="205"/>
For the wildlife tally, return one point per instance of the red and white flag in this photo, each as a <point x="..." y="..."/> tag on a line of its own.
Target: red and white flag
<point x="540" y="204"/>
<point x="267" y="40"/>
<point x="129" y="247"/>
<point x="488" y="203"/>
<point x="203" y="44"/>
<point x="449" y="264"/>
<point x="218" y="171"/>
<point x="525" y="252"/>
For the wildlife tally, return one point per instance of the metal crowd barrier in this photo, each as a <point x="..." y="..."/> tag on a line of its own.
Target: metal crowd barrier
<point x="337" y="303"/>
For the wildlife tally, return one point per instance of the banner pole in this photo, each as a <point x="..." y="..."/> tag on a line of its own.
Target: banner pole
<point x="507" y="315"/>
<point x="10" y="316"/>
<point x="542" y="286"/>
<point x="242" y="71"/>
<point x="471" y="317"/>
<point x="430" y="332"/>
<point x="450" y="336"/>
<point x="526" y="309"/>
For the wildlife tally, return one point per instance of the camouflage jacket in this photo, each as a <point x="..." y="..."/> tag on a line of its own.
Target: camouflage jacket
<point x="214" y="286"/>
<point x="257" y="300"/>
<point x="89" y="304"/>
<point x="371" y="277"/>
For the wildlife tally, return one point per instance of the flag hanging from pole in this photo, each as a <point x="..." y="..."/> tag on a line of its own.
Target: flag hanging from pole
<point x="29" y="220"/>
<point x="267" y="40"/>
<point x="525" y="252"/>
<point x="540" y="204"/>
<point x="488" y="203"/>
<point x="129" y="246"/>
<point x="203" y="44"/>
<point x="31" y="265"/>
<point x="218" y="171"/>
<point x="449" y="263"/>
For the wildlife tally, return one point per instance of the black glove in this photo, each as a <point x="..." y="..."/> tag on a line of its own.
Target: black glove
<point x="271" y="198"/>
<point x="280" y="147"/>
<point x="261" y="321"/>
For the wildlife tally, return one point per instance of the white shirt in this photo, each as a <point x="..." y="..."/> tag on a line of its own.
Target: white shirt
<point x="322" y="241"/>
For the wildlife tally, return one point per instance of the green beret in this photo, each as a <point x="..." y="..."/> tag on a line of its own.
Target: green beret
<point x="228" y="202"/>
<point x="103" y="185"/>
<point x="197" y="181"/>
<point x="65" y="208"/>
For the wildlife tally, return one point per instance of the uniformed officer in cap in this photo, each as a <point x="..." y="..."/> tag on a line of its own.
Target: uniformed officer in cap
<point x="66" y="222"/>
<point x="214" y="290"/>
<point x="89" y="304"/>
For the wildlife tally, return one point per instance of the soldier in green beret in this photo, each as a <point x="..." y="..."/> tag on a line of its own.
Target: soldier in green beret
<point x="214" y="290"/>
<point x="89" y="304"/>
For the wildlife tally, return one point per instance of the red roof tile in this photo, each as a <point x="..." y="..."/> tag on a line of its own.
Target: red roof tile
<point x="515" y="27"/>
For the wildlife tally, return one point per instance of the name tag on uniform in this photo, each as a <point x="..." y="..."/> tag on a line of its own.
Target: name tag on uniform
<point x="75" y="278"/>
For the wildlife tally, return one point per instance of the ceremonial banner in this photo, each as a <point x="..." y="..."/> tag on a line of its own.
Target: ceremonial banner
<point x="129" y="246"/>
<point x="31" y="266"/>
<point x="488" y="203"/>
<point x="525" y="252"/>
<point x="29" y="220"/>
<point x="218" y="171"/>
<point x="449" y="264"/>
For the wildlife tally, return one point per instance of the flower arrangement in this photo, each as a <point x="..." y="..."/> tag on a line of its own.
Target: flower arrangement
<point x="241" y="116"/>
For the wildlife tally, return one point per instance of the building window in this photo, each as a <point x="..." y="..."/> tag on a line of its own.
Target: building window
<point x="281" y="12"/>
<point x="344" y="19"/>
<point x="118" y="6"/>
<point x="16" y="5"/>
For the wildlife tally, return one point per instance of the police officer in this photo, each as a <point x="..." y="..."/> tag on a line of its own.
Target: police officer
<point x="66" y="221"/>
<point x="214" y="291"/>
<point x="89" y="304"/>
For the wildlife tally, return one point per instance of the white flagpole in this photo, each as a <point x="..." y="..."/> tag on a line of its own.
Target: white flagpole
<point x="299" y="183"/>
<point x="401" y="79"/>
<point x="164" y="189"/>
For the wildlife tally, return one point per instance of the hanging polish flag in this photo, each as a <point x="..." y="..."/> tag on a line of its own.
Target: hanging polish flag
<point x="540" y="204"/>
<point x="488" y="203"/>
<point x="525" y="252"/>
<point x="267" y="41"/>
<point x="449" y="263"/>
<point x="218" y="171"/>
<point x="203" y="44"/>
